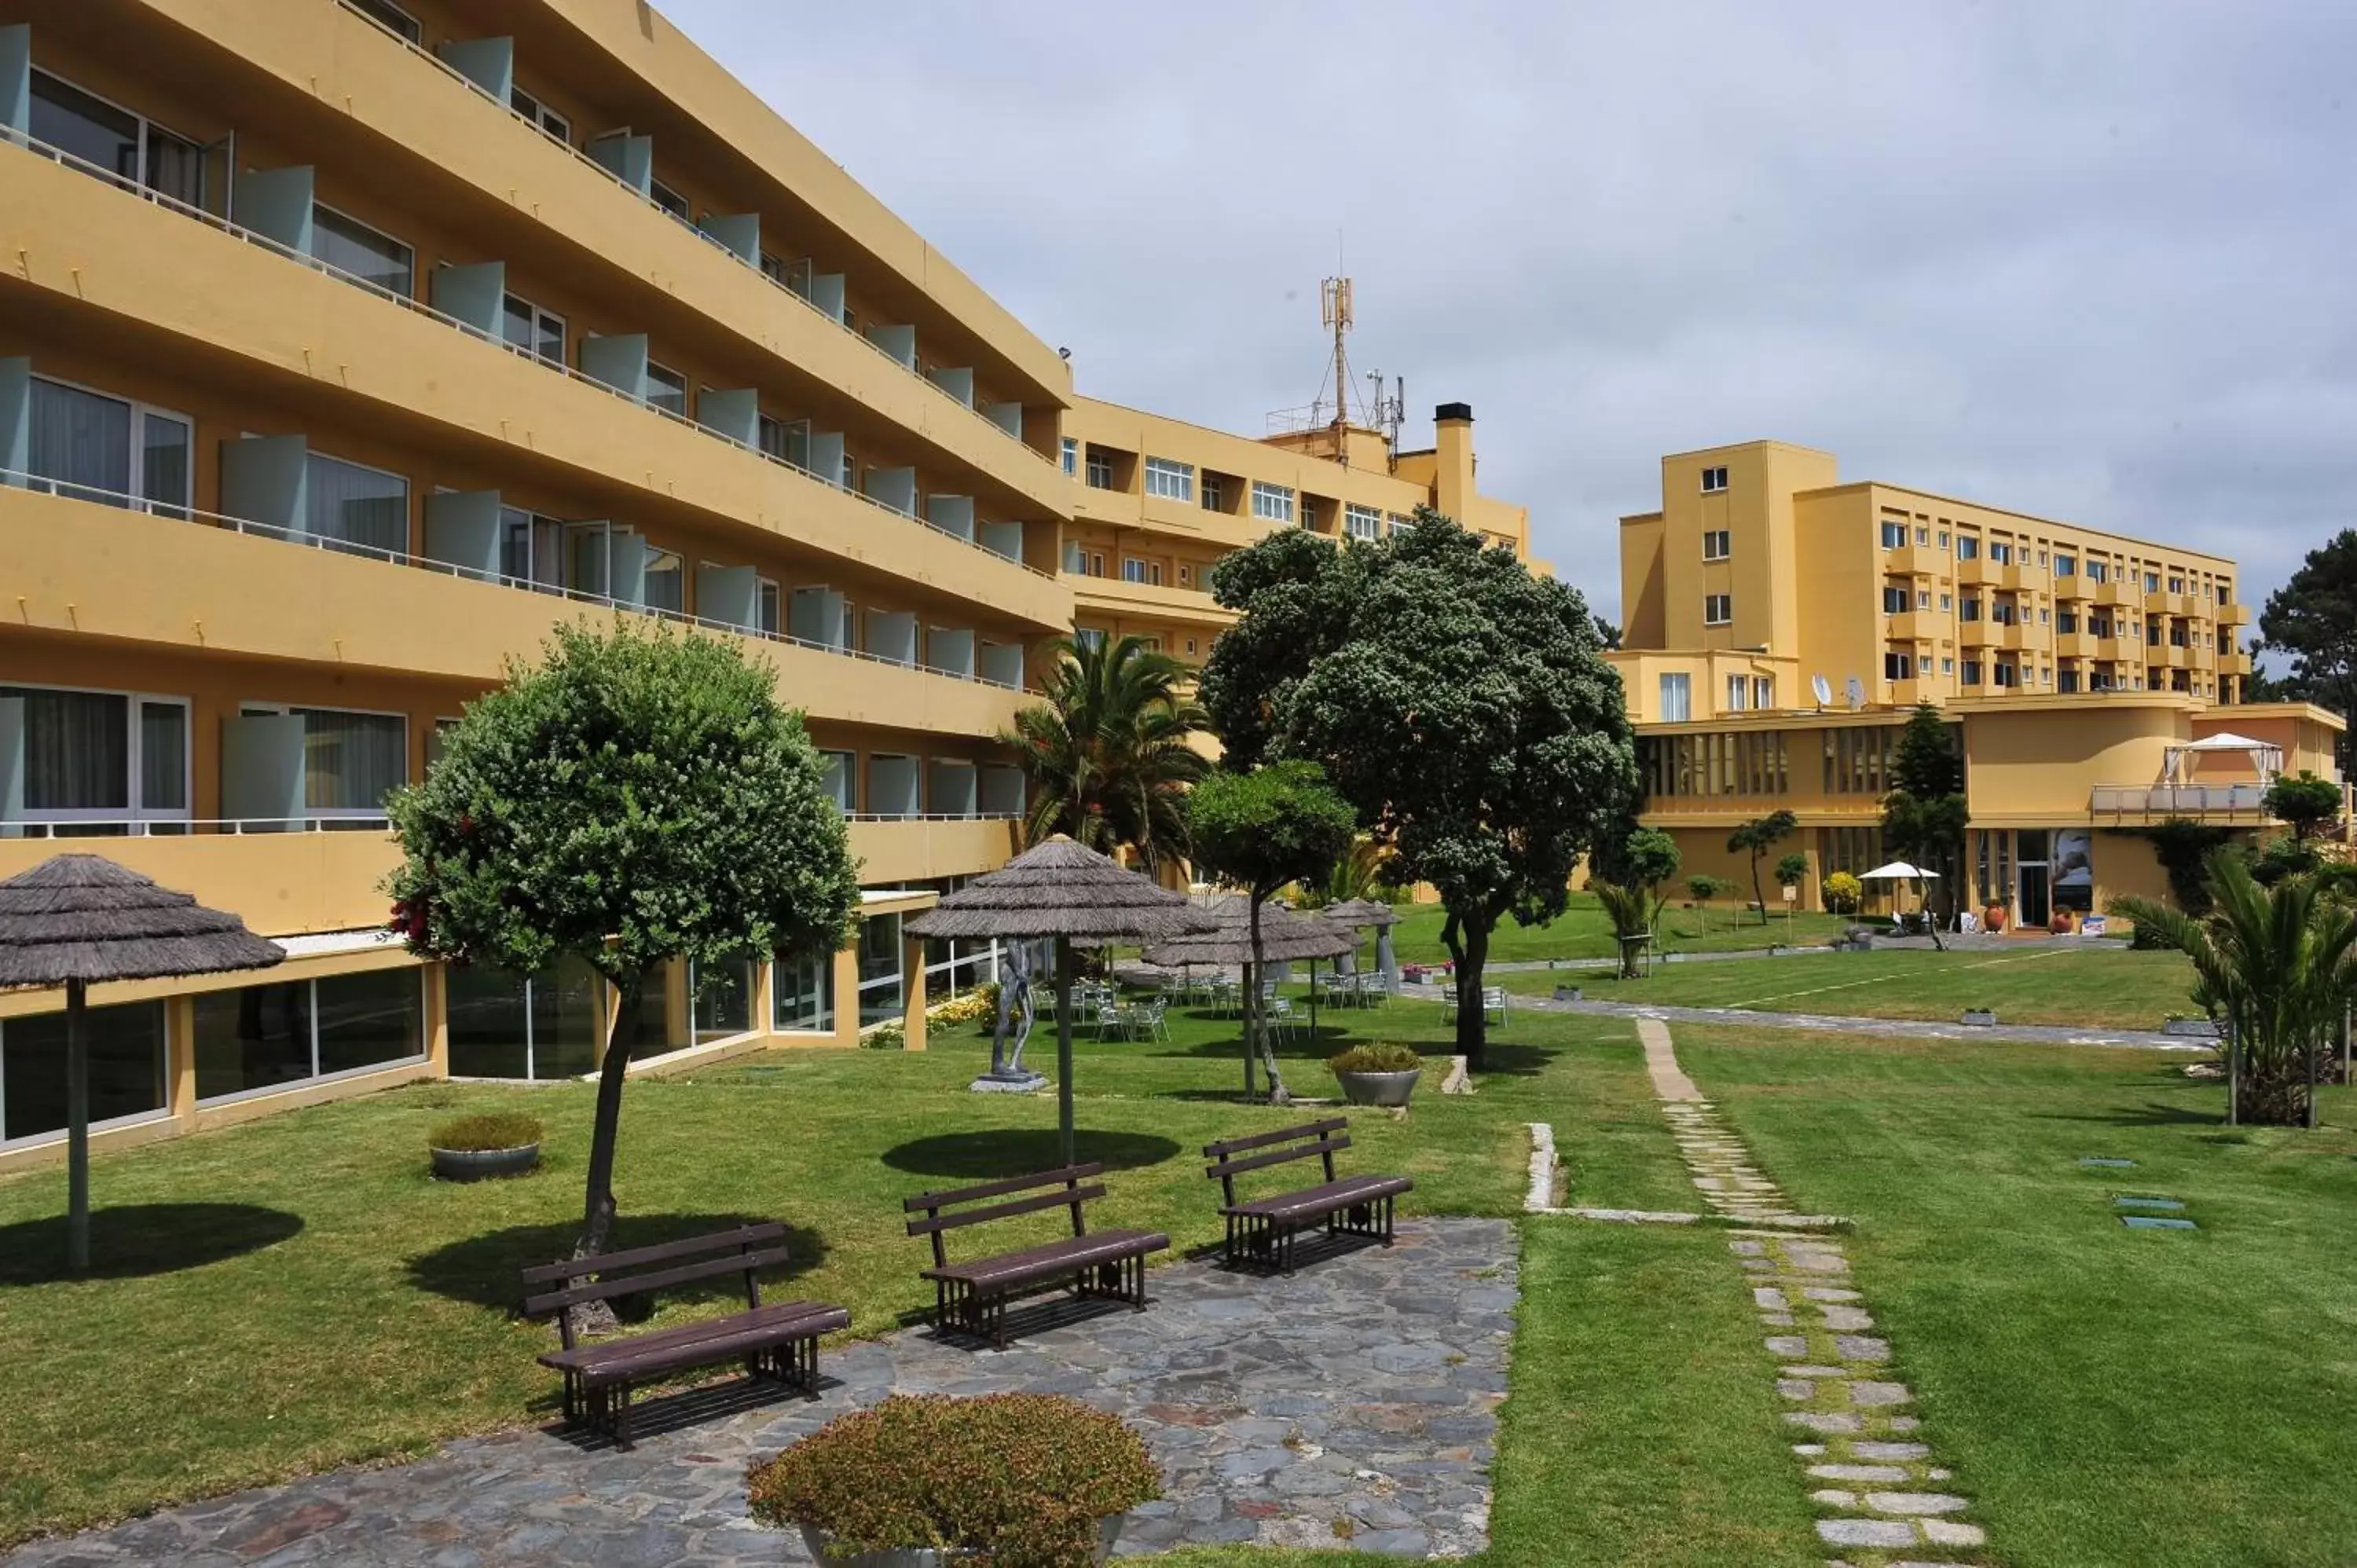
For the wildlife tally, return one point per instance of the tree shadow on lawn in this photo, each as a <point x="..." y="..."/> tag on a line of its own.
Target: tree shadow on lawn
<point x="2153" y="1114"/>
<point x="1019" y="1150"/>
<point x="135" y="1239"/>
<point x="1503" y="1059"/>
<point x="486" y="1270"/>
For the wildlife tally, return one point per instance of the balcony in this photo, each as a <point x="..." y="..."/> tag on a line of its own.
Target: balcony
<point x="141" y="256"/>
<point x="2080" y="645"/>
<point x="462" y="129"/>
<point x="892" y="850"/>
<point x="2073" y="588"/>
<point x="2199" y="802"/>
<point x="1916" y="561"/>
<point x="1117" y="596"/>
<point x="2116" y="592"/>
<point x="229" y="586"/>
<point x="1990" y="634"/>
<point x="281" y="882"/>
<point x="2234" y="613"/>
<point x="2234" y="663"/>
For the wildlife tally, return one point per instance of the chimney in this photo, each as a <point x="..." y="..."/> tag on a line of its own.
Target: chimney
<point x="1452" y="484"/>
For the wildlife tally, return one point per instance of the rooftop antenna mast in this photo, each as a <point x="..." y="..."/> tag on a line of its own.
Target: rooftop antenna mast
<point x="1334" y="312"/>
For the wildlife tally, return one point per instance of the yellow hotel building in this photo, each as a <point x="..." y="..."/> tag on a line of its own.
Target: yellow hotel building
<point x="1779" y="625"/>
<point x="349" y="345"/>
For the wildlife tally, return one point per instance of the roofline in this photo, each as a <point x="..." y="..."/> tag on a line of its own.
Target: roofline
<point x="1859" y="485"/>
<point x="1739" y="446"/>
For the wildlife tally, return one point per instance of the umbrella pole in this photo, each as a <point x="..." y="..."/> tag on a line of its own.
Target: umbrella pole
<point x="76" y="1128"/>
<point x="1251" y="1002"/>
<point x="1313" y="1005"/>
<point x="1064" y="1045"/>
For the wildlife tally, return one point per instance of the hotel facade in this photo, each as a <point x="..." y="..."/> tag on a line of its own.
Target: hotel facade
<point x="348" y="347"/>
<point x="1780" y="625"/>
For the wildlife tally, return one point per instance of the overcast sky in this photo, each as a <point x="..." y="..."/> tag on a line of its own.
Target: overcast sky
<point x="2091" y="261"/>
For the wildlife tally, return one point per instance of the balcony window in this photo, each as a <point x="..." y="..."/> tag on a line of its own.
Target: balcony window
<point x="1717" y="544"/>
<point x="1894" y="600"/>
<point x="351" y="247"/>
<point x="666" y="389"/>
<point x="1083" y="563"/>
<point x="2000" y="553"/>
<point x="881" y="989"/>
<point x="1970" y="675"/>
<point x="257" y="1038"/>
<point x="671" y="201"/>
<point x="531" y="329"/>
<point x="391" y="17"/>
<point x="2004" y="614"/>
<point x="1717" y="610"/>
<point x="539" y="117"/>
<point x="1310" y="514"/>
<point x="1272" y="503"/>
<point x="1947" y="603"/>
<point x="1738" y="693"/>
<point x="1968" y="548"/>
<point x="1970" y="610"/>
<point x="352" y="760"/>
<point x="2066" y="565"/>
<point x="1898" y="666"/>
<point x="90" y="446"/>
<point x="2066" y="622"/>
<point x="720" y="998"/>
<point x="127" y="1069"/>
<point x="2225" y="593"/>
<point x="97" y="757"/>
<point x="1214" y="493"/>
<point x="1072" y="455"/>
<point x="1364" y="521"/>
<point x="1088" y="637"/>
<point x="1947" y="666"/>
<point x="135" y="148"/>
<point x="2066" y="679"/>
<point x="349" y="504"/>
<point x="1149" y="572"/>
<point x="1894" y="535"/>
<point x="1677" y="699"/>
<point x="1714" y="480"/>
<point x="1100" y="471"/>
<point x="1763" y="691"/>
<point x="1171" y="481"/>
<point x="803" y="995"/>
<point x="2176" y="584"/>
<point x="532" y="548"/>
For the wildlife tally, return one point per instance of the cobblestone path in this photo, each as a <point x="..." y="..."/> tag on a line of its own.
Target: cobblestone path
<point x="1352" y="1403"/>
<point x="1883" y="1497"/>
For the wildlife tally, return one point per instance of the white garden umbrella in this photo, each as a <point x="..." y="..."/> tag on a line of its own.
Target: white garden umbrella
<point x="1900" y="871"/>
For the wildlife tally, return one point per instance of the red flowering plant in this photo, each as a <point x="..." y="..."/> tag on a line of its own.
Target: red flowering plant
<point x="1003" y="1480"/>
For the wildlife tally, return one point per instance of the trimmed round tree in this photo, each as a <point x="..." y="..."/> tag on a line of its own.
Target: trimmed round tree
<point x="639" y="796"/>
<point x="1267" y="828"/>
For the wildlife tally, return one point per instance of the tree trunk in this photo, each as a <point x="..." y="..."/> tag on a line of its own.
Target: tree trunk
<point x="598" y="1202"/>
<point x="77" y="1127"/>
<point x="1930" y="921"/>
<point x="1247" y="1001"/>
<point x="1469" y="946"/>
<point x="1277" y="1094"/>
<point x="1759" y="893"/>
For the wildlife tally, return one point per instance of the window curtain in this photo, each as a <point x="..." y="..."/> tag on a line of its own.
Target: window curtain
<point x="80" y="442"/>
<point x="346" y="502"/>
<point x="163" y="757"/>
<point x="76" y="750"/>
<point x="352" y="761"/>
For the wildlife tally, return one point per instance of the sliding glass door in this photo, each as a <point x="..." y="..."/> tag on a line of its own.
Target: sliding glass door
<point x="88" y="445"/>
<point x="92" y="762"/>
<point x="132" y="148"/>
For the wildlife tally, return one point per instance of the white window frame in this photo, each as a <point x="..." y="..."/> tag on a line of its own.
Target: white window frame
<point x="137" y="498"/>
<point x="556" y="127"/>
<point x="1072" y="453"/>
<point x="1717" y="544"/>
<point x="416" y="33"/>
<point x="1148" y="574"/>
<point x="147" y="123"/>
<point x="1680" y="683"/>
<point x="1272" y="503"/>
<point x="683" y="213"/>
<point x="1722" y="603"/>
<point x="1096" y="471"/>
<point x="133" y="761"/>
<point x="665" y="376"/>
<point x="1738" y="693"/>
<point x="336" y="813"/>
<point x="1894" y="534"/>
<point x="1362" y="521"/>
<point x="1763" y="692"/>
<point x="540" y="317"/>
<point x="319" y="206"/>
<point x="1714" y="480"/>
<point x="1170" y="480"/>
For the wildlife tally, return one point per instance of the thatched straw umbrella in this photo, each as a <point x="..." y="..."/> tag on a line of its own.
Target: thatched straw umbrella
<point x="1360" y="913"/>
<point x="1284" y="938"/>
<point x="1072" y="893"/>
<point x="77" y="918"/>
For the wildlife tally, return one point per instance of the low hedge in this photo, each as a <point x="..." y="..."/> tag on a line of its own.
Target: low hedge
<point x="498" y="1129"/>
<point x="1376" y="1059"/>
<point x="1016" y="1480"/>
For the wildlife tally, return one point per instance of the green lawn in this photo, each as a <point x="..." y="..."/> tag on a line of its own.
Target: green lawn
<point x="2108" y="1396"/>
<point x="2040" y="983"/>
<point x="1583" y="932"/>
<point x="329" y="1303"/>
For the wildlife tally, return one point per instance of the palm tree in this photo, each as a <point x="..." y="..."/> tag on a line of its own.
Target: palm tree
<point x="2277" y="966"/>
<point x="1107" y="753"/>
<point x="1632" y="911"/>
<point x="1358" y="874"/>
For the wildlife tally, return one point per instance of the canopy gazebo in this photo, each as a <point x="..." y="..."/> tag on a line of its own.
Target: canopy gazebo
<point x="1069" y="892"/>
<point x="1285" y="938"/>
<point x="2178" y="762"/>
<point x="76" y="921"/>
<point x="1900" y="871"/>
<point x="1359" y="914"/>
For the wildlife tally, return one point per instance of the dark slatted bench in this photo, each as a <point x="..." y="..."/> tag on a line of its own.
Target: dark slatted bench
<point x="779" y="1339"/>
<point x="1263" y="1231"/>
<point x="973" y="1295"/>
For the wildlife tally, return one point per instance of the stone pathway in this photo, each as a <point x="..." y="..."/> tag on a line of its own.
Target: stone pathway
<point x="1878" y="1487"/>
<point x="1352" y="1403"/>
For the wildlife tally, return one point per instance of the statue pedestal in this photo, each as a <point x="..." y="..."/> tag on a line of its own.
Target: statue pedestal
<point x="1010" y="1083"/>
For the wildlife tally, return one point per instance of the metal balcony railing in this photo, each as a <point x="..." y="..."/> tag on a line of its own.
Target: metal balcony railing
<point x="2195" y="801"/>
<point x="418" y="308"/>
<point x="578" y="155"/>
<point x="18" y="480"/>
<point x="192" y="827"/>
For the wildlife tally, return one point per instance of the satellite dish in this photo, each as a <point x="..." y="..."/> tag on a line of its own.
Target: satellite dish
<point x="1855" y="688"/>
<point x="1822" y="688"/>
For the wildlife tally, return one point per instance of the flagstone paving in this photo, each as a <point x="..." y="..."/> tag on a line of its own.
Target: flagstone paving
<point x="1351" y="1404"/>
<point x="1882" y="1492"/>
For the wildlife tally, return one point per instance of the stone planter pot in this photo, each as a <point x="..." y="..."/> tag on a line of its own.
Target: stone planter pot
<point x="1567" y="994"/>
<point x="814" y="1542"/>
<point x="2193" y="1029"/>
<point x="1379" y="1087"/>
<point x="1980" y="1017"/>
<point x="476" y="1164"/>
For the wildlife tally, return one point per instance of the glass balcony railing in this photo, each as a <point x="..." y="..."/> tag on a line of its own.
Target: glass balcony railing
<point x="522" y="351"/>
<point x="430" y="58"/>
<point x="17" y="480"/>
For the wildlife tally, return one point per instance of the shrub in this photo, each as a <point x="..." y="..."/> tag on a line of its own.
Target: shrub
<point x="1017" y="1480"/>
<point x="1841" y="891"/>
<point x="499" y="1130"/>
<point x="978" y="1003"/>
<point x="1376" y="1059"/>
<point x="884" y="1037"/>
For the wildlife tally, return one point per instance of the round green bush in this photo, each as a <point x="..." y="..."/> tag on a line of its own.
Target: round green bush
<point x="1017" y="1480"/>
<point x="1376" y="1059"/>
<point x="498" y="1129"/>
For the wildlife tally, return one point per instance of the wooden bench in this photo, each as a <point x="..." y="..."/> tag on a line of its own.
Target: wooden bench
<point x="972" y="1296"/>
<point x="778" y="1340"/>
<point x="1263" y="1230"/>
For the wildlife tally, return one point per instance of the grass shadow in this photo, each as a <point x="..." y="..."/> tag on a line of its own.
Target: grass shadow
<point x="485" y="1269"/>
<point x="1019" y="1150"/>
<point x="2155" y="1114"/>
<point x="136" y="1239"/>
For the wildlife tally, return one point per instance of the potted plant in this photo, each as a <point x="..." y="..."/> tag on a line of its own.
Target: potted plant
<point x="2060" y="923"/>
<point x="2196" y="1026"/>
<point x="505" y="1143"/>
<point x="1981" y="1017"/>
<point x="1377" y="1075"/>
<point x="1569" y="994"/>
<point x="1992" y="917"/>
<point x="930" y="1480"/>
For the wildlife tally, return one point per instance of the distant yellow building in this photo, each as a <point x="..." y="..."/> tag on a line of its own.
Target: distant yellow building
<point x="1778" y="625"/>
<point x="347" y="347"/>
